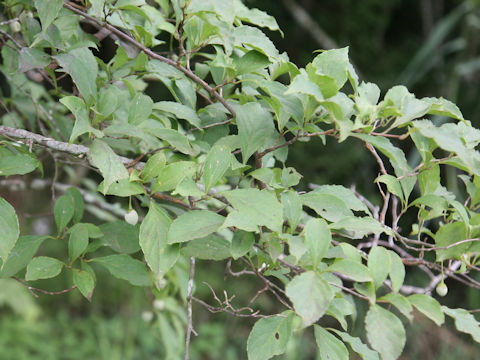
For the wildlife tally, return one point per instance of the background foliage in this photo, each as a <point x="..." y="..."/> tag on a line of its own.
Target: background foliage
<point x="435" y="55"/>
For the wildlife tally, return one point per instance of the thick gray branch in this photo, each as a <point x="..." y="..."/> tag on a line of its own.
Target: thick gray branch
<point x="73" y="149"/>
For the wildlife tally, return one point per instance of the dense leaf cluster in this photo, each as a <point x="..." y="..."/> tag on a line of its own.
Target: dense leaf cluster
<point x="207" y="169"/>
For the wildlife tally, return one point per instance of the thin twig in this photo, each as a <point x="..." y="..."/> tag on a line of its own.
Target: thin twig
<point x="215" y="309"/>
<point x="34" y="290"/>
<point x="349" y="291"/>
<point x="6" y="22"/>
<point x="304" y="20"/>
<point x="9" y="37"/>
<point x="377" y="157"/>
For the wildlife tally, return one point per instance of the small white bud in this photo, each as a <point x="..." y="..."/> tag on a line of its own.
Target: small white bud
<point x="159" y="304"/>
<point x="15" y="26"/>
<point x="147" y="316"/>
<point x="442" y="289"/>
<point x="131" y="217"/>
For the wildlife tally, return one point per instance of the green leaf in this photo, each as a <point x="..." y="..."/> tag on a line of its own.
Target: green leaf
<point x="123" y="188"/>
<point x="436" y="203"/>
<point x="284" y="105"/>
<point x="84" y="282"/>
<point x="290" y="177"/>
<point x="78" y="241"/>
<point x="120" y="236"/>
<point x="379" y="264"/>
<point x="179" y="110"/>
<point x="367" y="289"/>
<point x="301" y="84"/>
<point x="253" y="208"/>
<point x="187" y="188"/>
<point x="153" y="166"/>
<point x="17" y="163"/>
<point x="310" y="295"/>
<point x="333" y="63"/>
<point x="292" y="208"/>
<point x="159" y="255"/>
<point x="251" y="62"/>
<point x="329" y="346"/>
<point x="340" y="308"/>
<point x="317" y="239"/>
<point x="109" y="164"/>
<point x="82" y="123"/>
<point x="31" y="58"/>
<point x="21" y="254"/>
<point x="429" y="180"/>
<point x="344" y="194"/>
<point x="48" y="11"/>
<point x="110" y="99"/>
<point x="352" y="269"/>
<point x="10" y="228"/>
<point x="428" y="306"/>
<point x="461" y="210"/>
<point x="449" y="234"/>
<point x="256" y="17"/>
<point x="63" y="211"/>
<point x="269" y="336"/>
<point x="397" y="270"/>
<point x="242" y="243"/>
<point x="139" y="108"/>
<point x="356" y="344"/>
<point x="124" y="267"/>
<point x="464" y="322"/>
<point x="193" y="225"/>
<point x="224" y="11"/>
<point x="174" y="138"/>
<point x="137" y="10"/>
<point x="393" y="185"/>
<point x="401" y="303"/>
<point x="216" y="164"/>
<point x="385" y="332"/>
<point x="208" y="248"/>
<point x="358" y="227"/>
<point x="255" y="125"/>
<point x="271" y="177"/>
<point x="164" y="69"/>
<point x="330" y="207"/>
<point x="327" y="84"/>
<point x="443" y="107"/>
<point x="454" y="138"/>
<point x="81" y="65"/>
<point x="173" y="174"/>
<point x="10" y="59"/>
<point x="78" y="202"/>
<point x="410" y="108"/>
<point x="254" y="38"/>
<point x="43" y="267"/>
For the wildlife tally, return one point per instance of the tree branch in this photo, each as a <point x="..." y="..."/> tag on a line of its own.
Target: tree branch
<point x="73" y="149"/>
<point x="305" y="21"/>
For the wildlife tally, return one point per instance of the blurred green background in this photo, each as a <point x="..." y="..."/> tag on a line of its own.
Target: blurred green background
<point x="431" y="46"/>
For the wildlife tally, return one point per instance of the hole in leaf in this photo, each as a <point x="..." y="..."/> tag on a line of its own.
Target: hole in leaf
<point x="277" y="336"/>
